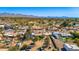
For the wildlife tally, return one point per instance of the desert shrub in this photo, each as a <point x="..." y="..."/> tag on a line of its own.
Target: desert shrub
<point x="14" y="48"/>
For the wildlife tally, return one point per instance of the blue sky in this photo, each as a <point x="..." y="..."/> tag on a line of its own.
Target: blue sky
<point x="43" y="11"/>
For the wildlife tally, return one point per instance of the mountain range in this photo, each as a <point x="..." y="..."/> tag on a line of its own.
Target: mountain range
<point x="15" y="15"/>
<point x="31" y="16"/>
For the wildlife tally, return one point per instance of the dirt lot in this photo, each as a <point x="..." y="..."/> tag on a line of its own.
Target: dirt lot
<point x="38" y="44"/>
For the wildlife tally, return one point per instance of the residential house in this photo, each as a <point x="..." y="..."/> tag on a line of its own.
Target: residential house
<point x="71" y="47"/>
<point x="10" y="33"/>
<point x="37" y="30"/>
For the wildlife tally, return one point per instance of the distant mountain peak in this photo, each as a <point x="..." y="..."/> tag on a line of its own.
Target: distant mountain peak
<point x="15" y="15"/>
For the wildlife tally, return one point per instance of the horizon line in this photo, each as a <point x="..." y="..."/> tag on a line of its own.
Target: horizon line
<point x="38" y="15"/>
